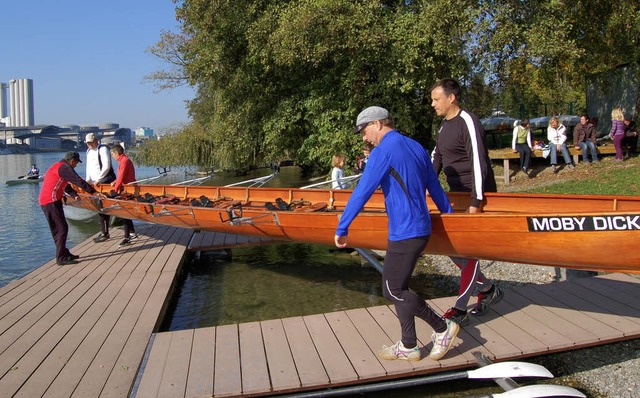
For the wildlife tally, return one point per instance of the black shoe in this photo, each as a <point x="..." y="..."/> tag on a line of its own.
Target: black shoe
<point x="487" y="299"/>
<point x="458" y="316"/>
<point x="67" y="261"/>
<point x="125" y="242"/>
<point x="73" y="256"/>
<point x="101" y="238"/>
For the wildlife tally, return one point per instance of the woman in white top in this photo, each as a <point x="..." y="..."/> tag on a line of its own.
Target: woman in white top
<point x="337" y="174"/>
<point x="521" y="143"/>
<point x="558" y="142"/>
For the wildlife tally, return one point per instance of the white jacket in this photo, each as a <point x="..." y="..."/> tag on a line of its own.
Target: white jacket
<point x="94" y="173"/>
<point x="556" y="136"/>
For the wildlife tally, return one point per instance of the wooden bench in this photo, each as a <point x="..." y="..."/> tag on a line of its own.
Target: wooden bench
<point x="506" y="154"/>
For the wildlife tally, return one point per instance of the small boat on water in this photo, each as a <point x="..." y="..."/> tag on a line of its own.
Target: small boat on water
<point x="26" y="180"/>
<point x="588" y="232"/>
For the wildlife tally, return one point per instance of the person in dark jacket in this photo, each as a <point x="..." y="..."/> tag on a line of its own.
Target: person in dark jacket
<point x="462" y="153"/>
<point x="54" y="187"/>
<point x="585" y="139"/>
<point x="630" y="134"/>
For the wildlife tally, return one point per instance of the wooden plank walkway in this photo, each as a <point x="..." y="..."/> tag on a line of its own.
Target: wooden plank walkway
<point x="339" y="348"/>
<point x="208" y="240"/>
<point x="82" y="330"/>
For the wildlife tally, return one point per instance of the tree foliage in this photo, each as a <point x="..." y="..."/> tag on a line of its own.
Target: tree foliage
<point x="285" y="79"/>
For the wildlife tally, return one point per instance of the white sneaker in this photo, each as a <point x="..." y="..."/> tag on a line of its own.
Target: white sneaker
<point x="442" y="342"/>
<point x="133" y="236"/>
<point x="397" y="351"/>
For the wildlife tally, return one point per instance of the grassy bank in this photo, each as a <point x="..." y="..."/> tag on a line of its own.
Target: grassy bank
<point x="607" y="177"/>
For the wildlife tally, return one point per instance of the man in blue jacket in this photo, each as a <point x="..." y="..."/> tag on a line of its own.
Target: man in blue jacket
<point x="403" y="168"/>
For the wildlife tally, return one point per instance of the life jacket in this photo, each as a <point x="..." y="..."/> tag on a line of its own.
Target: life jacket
<point x="53" y="185"/>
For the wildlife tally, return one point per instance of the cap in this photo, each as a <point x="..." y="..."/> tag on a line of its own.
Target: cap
<point x="72" y="156"/>
<point x="370" y="114"/>
<point x="90" y="137"/>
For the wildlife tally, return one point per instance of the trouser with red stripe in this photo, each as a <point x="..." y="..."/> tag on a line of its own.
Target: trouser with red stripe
<point x="470" y="278"/>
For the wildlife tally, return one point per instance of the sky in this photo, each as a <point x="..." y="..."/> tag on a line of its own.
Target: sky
<point x="87" y="61"/>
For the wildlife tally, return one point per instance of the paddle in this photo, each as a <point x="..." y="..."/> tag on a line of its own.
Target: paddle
<point x="538" y="391"/>
<point x="493" y="371"/>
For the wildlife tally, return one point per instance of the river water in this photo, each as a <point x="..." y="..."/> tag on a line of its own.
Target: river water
<point x="258" y="283"/>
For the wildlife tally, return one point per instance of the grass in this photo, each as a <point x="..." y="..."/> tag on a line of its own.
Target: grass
<point x="605" y="178"/>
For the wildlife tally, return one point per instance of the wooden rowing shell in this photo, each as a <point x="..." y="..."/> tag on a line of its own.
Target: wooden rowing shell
<point x="588" y="232"/>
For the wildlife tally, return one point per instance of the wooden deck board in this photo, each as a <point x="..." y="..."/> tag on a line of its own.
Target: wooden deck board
<point x="201" y="367"/>
<point x="306" y="357"/>
<point x="174" y="378"/>
<point x="226" y="380"/>
<point x="335" y="360"/>
<point x="255" y="373"/>
<point x="363" y="360"/>
<point x="282" y="368"/>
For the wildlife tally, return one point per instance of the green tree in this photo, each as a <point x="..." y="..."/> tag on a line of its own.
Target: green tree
<point x="284" y="79"/>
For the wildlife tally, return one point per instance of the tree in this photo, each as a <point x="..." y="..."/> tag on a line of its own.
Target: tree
<point x="285" y="79"/>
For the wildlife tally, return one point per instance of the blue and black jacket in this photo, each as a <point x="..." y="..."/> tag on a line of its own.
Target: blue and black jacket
<point x="403" y="168"/>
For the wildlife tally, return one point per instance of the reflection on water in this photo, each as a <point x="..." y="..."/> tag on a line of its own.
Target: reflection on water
<point x="274" y="281"/>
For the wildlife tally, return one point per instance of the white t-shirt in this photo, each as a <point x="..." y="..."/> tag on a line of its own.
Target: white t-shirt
<point x="337" y="174"/>
<point x="93" y="172"/>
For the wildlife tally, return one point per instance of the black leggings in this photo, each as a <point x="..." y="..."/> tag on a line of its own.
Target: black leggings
<point x="399" y="263"/>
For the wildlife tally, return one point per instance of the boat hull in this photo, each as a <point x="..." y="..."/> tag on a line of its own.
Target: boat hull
<point x="515" y="228"/>
<point x="25" y="181"/>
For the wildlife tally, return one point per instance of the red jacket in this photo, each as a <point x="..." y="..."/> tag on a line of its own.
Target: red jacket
<point x="126" y="172"/>
<point x="56" y="183"/>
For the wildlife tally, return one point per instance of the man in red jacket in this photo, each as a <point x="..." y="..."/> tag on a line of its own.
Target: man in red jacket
<point x="126" y="174"/>
<point x="55" y="185"/>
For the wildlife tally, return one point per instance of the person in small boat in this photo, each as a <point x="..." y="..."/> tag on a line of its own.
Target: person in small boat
<point x="99" y="171"/>
<point x="34" y="172"/>
<point x="55" y="185"/>
<point x="585" y="138"/>
<point x="337" y="174"/>
<point x="521" y="143"/>
<point x="402" y="167"/>
<point x="557" y="136"/>
<point x="462" y="154"/>
<point x="126" y="174"/>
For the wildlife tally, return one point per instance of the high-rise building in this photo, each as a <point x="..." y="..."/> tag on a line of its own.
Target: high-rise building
<point x="21" y="107"/>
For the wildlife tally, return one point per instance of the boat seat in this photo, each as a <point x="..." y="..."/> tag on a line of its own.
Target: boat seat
<point x="314" y="207"/>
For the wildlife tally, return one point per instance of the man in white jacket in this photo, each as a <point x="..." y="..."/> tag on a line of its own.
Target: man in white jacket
<point x="99" y="171"/>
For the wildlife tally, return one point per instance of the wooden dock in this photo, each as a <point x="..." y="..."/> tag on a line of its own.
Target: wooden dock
<point x="339" y="348"/>
<point x="83" y="330"/>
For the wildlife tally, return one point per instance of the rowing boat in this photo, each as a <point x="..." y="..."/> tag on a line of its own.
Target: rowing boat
<point x="26" y="180"/>
<point x="589" y="232"/>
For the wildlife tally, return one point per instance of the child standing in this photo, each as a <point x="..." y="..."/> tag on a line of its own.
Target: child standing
<point x="337" y="174"/>
<point x="617" y="132"/>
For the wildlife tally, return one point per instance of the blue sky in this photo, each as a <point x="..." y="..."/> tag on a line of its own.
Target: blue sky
<point x="87" y="60"/>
